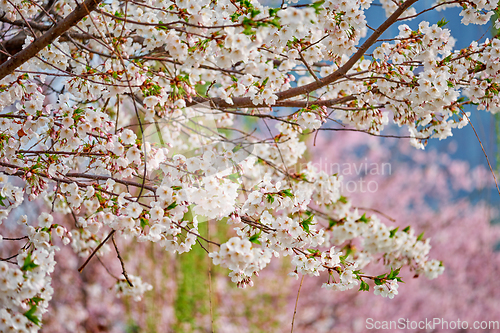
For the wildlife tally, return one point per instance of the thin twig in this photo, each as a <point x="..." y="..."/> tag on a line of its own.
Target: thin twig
<point x="95" y="251"/>
<point x="484" y="152"/>
<point x="378" y="212"/>
<point x="204" y="248"/>
<point x="121" y="262"/>
<point x="296" y="302"/>
<point x="107" y="270"/>
<point x="14" y="239"/>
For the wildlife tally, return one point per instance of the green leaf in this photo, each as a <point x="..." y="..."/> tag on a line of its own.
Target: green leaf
<point x="161" y="27"/>
<point x="144" y="222"/>
<point x="364" y="286"/>
<point x="393" y="274"/>
<point x="331" y="223"/>
<point x="237" y="147"/>
<point x="254" y="12"/>
<point x="393" y="232"/>
<point x="407" y="229"/>
<point x="30" y="314"/>
<point x="343" y="199"/>
<point x="378" y="281"/>
<point x="348" y="250"/>
<point x="35" y="300"/>
<point x="307" y="223"/>
<point x="273" y="11"/>
<point x="275" y="22"/>
<point x="286" y="193"/>
<point x="234" y="17"/>
<point x="234" y="177"/>
<point x="313" y="251"/>
<point x="364" y="218"/>
<point x="442" y="22"/>
<point x="420" y="237"/>
<point x="317" y="6"/>
<point x="446" y="60"/>
<point x="172" y="205"/>
<point x="28" y="264"/>
<point x="176" y="188"/>
<point x="248" y="24"/>
<point x="270" y="198"/>
<point x="255" y="238"/>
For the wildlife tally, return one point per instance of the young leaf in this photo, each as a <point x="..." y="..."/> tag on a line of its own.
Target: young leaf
<point x="172" y="205"/>
<point x="144" y="222"/>
<point x="393" y="232"/>
<point x="270" y="198"/>
<point x="306" y="223"/>
<point x="442" y="22"/>
<point x="255" y="238"/>
<point x="364" y="286"/>
<point x="234" y="177"/>
<point x="364" y="218"/>
<point x="28" y="264"/>
<point x="30" y="314"/>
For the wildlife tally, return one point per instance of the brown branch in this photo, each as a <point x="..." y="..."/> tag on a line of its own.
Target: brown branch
<point x="23" y="24"/>
<point x="21" y="172"/>
<point x="311" y="71"/>
<point x="14" y="239"/>
<point x="218" y="103"/>
<point x="327" y="103"/>
<point x="57" y="30"/>
<point x="95" y="251"/>
<point x="121" y="262"/>
<point x="41" y="152"/>
<point x="308" y="88"/>
<point x="120" y="181"/>
<point x="296" y="302"/>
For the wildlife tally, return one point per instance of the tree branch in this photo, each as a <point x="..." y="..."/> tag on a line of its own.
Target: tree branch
<point x="57" y="30"/>
<point x="308" y="88"/>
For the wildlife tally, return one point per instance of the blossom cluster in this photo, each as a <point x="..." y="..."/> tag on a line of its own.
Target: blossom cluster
<point x="26" y="285"/>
